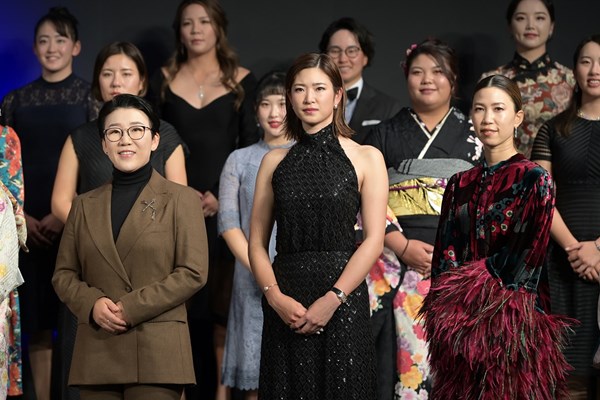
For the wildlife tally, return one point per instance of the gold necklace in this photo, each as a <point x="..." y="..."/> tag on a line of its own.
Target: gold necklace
<point x="580" y="114"/>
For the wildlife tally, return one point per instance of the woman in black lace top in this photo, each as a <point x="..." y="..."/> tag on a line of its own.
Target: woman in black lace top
<point x="317" y="341"/>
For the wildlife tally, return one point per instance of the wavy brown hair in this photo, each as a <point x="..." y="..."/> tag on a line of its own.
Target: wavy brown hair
<point x="226" y="56"/>
<point x="293" y="124"/>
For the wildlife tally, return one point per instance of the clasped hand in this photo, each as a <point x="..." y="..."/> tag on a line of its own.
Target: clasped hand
<point x="210" y="204"/>
<point x="418" y="256"/>
<point x="110" y="316"/>
<point x="584" y="258"/>
<point x="42" y="233"/>
<point x="305" y="321"/>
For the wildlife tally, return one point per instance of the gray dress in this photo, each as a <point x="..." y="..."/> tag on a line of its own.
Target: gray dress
<point x="241" y="361"/>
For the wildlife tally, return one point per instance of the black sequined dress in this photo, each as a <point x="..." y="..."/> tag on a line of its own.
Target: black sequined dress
<point x="316" y="203"/>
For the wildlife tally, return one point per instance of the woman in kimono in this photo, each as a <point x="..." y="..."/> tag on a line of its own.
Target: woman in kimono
<point x="489" y="337"/>
<point x="423" y="145"/>
<point x="11" y="175"/>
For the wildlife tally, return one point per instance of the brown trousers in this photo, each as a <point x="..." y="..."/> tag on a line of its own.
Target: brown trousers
<point x="130" y="392"/>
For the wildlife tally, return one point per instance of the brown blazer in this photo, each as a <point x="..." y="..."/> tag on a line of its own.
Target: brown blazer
<point x="159" y="261"/>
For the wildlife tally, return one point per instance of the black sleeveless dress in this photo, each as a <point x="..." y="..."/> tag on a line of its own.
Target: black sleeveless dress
<point x="316" y="203"/>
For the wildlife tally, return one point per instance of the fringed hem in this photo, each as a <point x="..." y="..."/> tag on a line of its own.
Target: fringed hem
<point x="487" y="342"/>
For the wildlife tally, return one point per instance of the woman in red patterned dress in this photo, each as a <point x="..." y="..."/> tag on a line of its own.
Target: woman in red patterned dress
<point x="489" y="336"/>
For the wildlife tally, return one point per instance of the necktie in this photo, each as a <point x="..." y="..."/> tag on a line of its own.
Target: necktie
<point x="352" y="93"/>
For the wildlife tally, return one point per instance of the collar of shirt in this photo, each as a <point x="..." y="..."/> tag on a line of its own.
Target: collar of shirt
<point x="358" y="85"/>
<point x="351" y="104"/>
<point x="523" y="64"/>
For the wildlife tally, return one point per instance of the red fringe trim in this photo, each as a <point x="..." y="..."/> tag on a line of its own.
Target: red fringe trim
<point x="487" y="342"/>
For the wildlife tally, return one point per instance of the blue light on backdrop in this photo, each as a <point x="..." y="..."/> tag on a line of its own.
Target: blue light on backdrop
<point x="18" y="64"/>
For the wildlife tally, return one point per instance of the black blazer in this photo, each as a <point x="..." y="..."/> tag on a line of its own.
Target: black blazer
<point x="372" y="107"/>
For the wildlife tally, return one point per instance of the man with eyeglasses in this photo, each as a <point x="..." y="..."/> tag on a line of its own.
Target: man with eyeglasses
<point x="351" y="46"/>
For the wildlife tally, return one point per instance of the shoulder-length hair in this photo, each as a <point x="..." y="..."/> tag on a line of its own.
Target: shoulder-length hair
<point x="226" y="56"/>
<point x="127" y="49"/>
<point x="564" y="121"/>
<point x="293" y="124"/>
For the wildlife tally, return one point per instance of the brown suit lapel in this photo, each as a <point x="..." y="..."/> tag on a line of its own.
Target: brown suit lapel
<point x="96" y="210"/>
<point x="146" y="210"/>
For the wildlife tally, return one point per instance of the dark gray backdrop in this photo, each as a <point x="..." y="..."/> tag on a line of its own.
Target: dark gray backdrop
<point x="269" y="33"/>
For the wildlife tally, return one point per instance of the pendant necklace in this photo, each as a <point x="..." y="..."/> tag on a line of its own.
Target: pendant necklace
<point x="201" y="93"/>
<point x="200" y="86"/>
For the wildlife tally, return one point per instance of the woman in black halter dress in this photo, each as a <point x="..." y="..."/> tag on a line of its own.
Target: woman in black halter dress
<point x="317" y="341"/>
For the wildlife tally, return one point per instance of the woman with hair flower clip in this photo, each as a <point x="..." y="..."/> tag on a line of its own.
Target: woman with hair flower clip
<point x="423" y="145"/>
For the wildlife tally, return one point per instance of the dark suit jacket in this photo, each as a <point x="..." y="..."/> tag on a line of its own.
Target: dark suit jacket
<point x="372" y="107"/>
<point x="159" y="260"/>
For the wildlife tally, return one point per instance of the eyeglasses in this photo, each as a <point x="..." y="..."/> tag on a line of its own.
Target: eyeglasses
<point x="351" y="51"/>
<point x="135" y="132"/>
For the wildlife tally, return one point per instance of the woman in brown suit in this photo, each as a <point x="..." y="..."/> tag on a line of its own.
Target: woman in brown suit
<point x="133" y="251"/>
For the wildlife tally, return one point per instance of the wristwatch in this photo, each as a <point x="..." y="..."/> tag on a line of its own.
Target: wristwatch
<point x="342" y="297"/>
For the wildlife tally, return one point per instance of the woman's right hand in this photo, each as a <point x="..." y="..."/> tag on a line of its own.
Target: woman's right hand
<point x="288" y="309"/>
<point x="418" y="256"/>
<point x="106" y="315"/>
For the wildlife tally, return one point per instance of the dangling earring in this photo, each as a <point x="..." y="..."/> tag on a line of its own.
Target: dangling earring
<point x="516" y="133"/>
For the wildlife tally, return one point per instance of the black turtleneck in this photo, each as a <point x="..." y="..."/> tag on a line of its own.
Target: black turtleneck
<point x="127" y="186"/>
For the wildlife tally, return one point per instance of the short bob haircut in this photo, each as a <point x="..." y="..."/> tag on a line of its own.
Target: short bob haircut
<point x="273" y="83"/>
<point x="127" y="49"/>
<point x="64" y="22"/>
<point x="364" y="37"/>
<point x="127" y="101"/>
<point x="293" y="124"/>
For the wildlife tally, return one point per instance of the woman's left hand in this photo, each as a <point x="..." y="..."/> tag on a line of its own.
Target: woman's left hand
<point x="210" y="204"/>
<point x="318" y="315"/>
